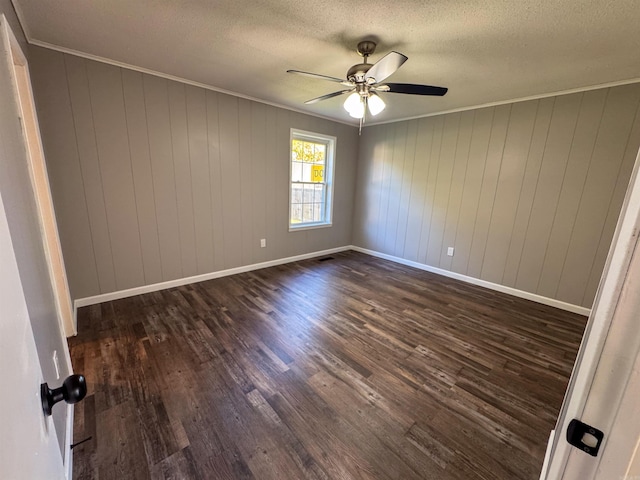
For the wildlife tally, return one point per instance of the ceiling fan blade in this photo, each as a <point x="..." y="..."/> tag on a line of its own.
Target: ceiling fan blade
<point x="385" y="66"/>
<point x="318" y="76"/>
<point x="412" y="89"/>
<point x="328" y="95"/>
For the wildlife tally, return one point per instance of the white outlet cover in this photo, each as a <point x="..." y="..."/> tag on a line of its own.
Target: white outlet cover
<point x="450" y="251"/>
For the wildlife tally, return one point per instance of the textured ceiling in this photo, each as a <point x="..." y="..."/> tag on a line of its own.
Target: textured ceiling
<point x="484" y="51"/>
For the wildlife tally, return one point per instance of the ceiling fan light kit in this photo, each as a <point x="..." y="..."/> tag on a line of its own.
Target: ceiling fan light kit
<point x="375" y="104"/>
<point x="354" y="104"/>
<point x="364" y="80"/>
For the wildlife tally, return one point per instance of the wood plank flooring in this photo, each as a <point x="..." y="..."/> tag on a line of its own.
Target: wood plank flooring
<point x="349" y="368"/>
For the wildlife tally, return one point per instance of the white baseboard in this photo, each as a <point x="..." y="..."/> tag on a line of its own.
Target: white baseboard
<point x="483" y="283"/>
<point x="106" y="297"/>
<point x="68" y="438"/>
<point x="131" y="292"/>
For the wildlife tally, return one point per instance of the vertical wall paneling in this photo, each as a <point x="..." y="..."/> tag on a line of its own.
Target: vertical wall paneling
<point x="527" y="194"/>
<point x="136" y="116"/>
<point x="386" y="170"/>
<point x="528" y="190"/>
<point x="215" y="178"/>
<point x="200" y="178"/>
<point x="611" y="142"/>
<point x="512" y="168"/>
<point x="423" y="207"/>
<point x="368" y="181"/>
<point x="398" y="148"/>
<point x="271" y="157"/>
<point x="258" y="212"/>
<point x="490" y="177"/>
<point x="405" y="189"/>
<point x="476" y="160"/>
<point x="434" y="156"/>
<point x="576" y="172"/>
<point x="446" y="157"/>
<point x="154" y="180"/>
<point x="459" y="173"/>
<point x="107" y="106"/>
<point x="417" y="186"/>
<point x="182" y="176"/>
<point x="162" y="169"/>
<point x="551" y="176"/>
<point x="617" y="199"/>
<point x="345" y="181"/>
<point x="246" y="182"/>
<point x="230" y="176"/>
<point x="81" y="105"/>
<point x="60" y="143"/>
<point x="283" y="242"/>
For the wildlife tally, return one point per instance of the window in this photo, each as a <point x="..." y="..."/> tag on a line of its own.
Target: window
<point x="311" y="180"/>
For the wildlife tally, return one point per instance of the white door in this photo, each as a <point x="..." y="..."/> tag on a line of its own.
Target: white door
<point x="28" y="445"/>
<point x="604" y="390"/>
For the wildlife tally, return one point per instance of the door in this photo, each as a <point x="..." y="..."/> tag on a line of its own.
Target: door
<point x="29" y="447"/>
<point x="605" y="384"/>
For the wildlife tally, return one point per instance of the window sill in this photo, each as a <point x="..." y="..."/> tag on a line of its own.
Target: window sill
<point x="309" y="226"/>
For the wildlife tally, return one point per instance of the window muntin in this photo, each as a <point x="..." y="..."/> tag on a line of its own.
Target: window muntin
<point x="311" y="179"/>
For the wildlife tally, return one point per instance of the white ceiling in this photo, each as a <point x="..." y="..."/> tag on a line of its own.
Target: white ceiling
<point x="484" y="51"/>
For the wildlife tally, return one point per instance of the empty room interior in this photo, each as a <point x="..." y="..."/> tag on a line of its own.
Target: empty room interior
<point x="316" y="240"/>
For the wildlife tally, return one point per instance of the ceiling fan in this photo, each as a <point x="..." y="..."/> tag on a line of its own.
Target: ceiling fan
<point x="365" y="82"/>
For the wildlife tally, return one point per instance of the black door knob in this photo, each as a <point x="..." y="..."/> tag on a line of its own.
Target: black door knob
<point x="73" y="389"/>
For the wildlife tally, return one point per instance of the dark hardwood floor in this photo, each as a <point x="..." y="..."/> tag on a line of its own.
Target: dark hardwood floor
<point x="353" y="367"/>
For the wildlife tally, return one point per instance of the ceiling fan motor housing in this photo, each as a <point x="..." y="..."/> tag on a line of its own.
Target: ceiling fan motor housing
<point x="356" y="73"/>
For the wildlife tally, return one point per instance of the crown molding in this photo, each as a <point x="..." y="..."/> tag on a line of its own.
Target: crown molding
<point x="174" y="78"/>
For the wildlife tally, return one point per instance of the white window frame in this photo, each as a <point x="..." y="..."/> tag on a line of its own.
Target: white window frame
<point x="329" y="176"/>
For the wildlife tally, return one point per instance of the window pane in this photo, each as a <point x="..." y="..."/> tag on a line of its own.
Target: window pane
<point x="306" y="172"/>
<point x="296" y="213"/>
<point x="318" y="193"/>
<point x="296" y="193"/>
<point x="308" y="193"/>
<point x="320" y="153"/>
<point x="307" y="212"/>
<point x="296" y="150"/>
<point x="317" y="212"/>
<point x="296" y="171"/>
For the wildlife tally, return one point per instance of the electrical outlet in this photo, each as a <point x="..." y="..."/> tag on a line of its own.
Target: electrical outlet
<point x="450" y="251"/>
<point x="263" y="242"/>
<point x="56" y="364"/>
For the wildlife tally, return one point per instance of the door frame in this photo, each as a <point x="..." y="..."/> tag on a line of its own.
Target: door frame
<point x="609" y="357"/>
<point x="23" y="95"/>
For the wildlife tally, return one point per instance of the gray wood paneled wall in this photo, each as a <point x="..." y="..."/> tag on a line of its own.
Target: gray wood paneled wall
<point x="528" y="193"/>
<point x="155" y="180"/>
